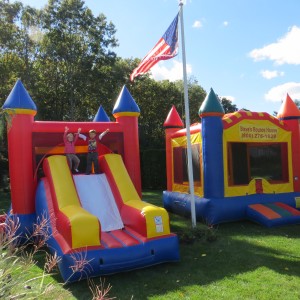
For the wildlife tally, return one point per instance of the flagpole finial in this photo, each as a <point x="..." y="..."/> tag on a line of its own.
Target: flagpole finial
<point x="180" y="2"/>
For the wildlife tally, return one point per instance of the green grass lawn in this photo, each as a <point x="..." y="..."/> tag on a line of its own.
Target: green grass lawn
<point x="240" y="260"/>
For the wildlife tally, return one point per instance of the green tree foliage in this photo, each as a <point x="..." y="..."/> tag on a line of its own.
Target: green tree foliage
<point x="155" y="99"/>
<point x="74" y="60"/>
<point x="5" y="121"/>
<point x="62" y="53"/>
<point x="12" y="49"/>
<point x="228" y="106"/>
<point x="297" y="102"/>
<point x="64" y="56"/>
<point x="10" y="33"/>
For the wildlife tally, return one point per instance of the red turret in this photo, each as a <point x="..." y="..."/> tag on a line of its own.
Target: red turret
<point x="20" y="105"/>
<point x="290" y="115"/>
<point x="171" y="124"/>
<point x="126" y="112"/>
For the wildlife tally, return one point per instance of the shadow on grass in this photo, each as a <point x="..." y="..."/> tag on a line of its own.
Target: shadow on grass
<point x="239" y="248"/>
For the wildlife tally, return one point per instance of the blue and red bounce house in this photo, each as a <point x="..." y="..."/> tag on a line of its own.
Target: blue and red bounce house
<point x="97" y="221"/>
<point x="246" y="165"/>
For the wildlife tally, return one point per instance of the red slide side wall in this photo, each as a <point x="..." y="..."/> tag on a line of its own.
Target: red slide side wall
<point x="131" y="216"/>
<point x="53" y="219"/>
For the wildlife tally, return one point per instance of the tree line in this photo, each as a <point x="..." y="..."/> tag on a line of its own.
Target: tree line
<point x="65" y="57"/>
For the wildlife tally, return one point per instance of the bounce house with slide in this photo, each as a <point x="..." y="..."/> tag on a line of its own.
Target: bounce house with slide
<point x="97" y="220"/>
<point x="246" y="165"/>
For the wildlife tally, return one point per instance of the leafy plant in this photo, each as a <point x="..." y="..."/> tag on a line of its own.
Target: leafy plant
<point x="17" y="262"/>
<point x="190" y="234"/>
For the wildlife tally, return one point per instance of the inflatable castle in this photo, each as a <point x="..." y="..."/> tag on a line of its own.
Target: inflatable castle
<point x="97" y="220"/>
<point x="246" y="165"/>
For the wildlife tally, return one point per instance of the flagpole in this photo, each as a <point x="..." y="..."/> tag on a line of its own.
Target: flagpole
<point x="187" y="121"/>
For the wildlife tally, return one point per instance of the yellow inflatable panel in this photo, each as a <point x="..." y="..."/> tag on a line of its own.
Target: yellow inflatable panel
<point x="63" y="182"/>
<point x="184" y="188"/>
<point x="84" y="226"/>
<point x="182" y="140"/>
<point x="157" y="218"/>
<point x="122" y="178"/>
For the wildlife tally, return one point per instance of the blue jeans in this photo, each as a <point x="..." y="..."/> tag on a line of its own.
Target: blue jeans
<point x="92" y="158"/>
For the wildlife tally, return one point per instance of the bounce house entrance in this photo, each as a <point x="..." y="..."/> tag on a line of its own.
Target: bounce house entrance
<point x="257" y="160"/>
<point x="239" y="163"/>
<point x="271" y="214"/>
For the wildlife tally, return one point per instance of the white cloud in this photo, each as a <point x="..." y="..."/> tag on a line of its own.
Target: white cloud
<point x="278" y="93"/>
<point x="197" y="24"/>
<point x="270" y="74"/>
<point x="285" y="51"/>
<point x="225" y="23"/>
<point x="160" y="71"/>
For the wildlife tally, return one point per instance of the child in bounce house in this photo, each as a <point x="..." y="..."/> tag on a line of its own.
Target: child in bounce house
<point x="70" y="141"/>
<point x="92" y="156"/>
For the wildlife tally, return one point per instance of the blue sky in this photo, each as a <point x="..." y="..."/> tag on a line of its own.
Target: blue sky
<point x="246" y="50"/>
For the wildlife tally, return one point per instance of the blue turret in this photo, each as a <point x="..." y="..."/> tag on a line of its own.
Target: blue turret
<point x="101" y="115"/>
<point x="211" y="112"/>
<point x="19" y="99"/>
<point x="125" y="104"/>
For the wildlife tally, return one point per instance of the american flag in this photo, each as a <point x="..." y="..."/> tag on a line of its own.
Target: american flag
<point x="166" y="48"/>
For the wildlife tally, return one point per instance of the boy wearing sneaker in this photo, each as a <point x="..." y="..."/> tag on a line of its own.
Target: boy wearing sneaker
<point x="92" y="156"/>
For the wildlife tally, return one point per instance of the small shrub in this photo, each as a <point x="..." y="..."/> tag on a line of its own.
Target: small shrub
<point x="100" y="292"/>
<point x="18" y="277"/>
<point x="189" y="235"/>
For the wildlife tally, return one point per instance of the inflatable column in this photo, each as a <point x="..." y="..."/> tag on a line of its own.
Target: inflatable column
<point x="126" y="112"/>
<point x="172" y="123"/>
<point x="290" y="114"/>
<point x="22" y="109"/>
<point x="211" y="112"/>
